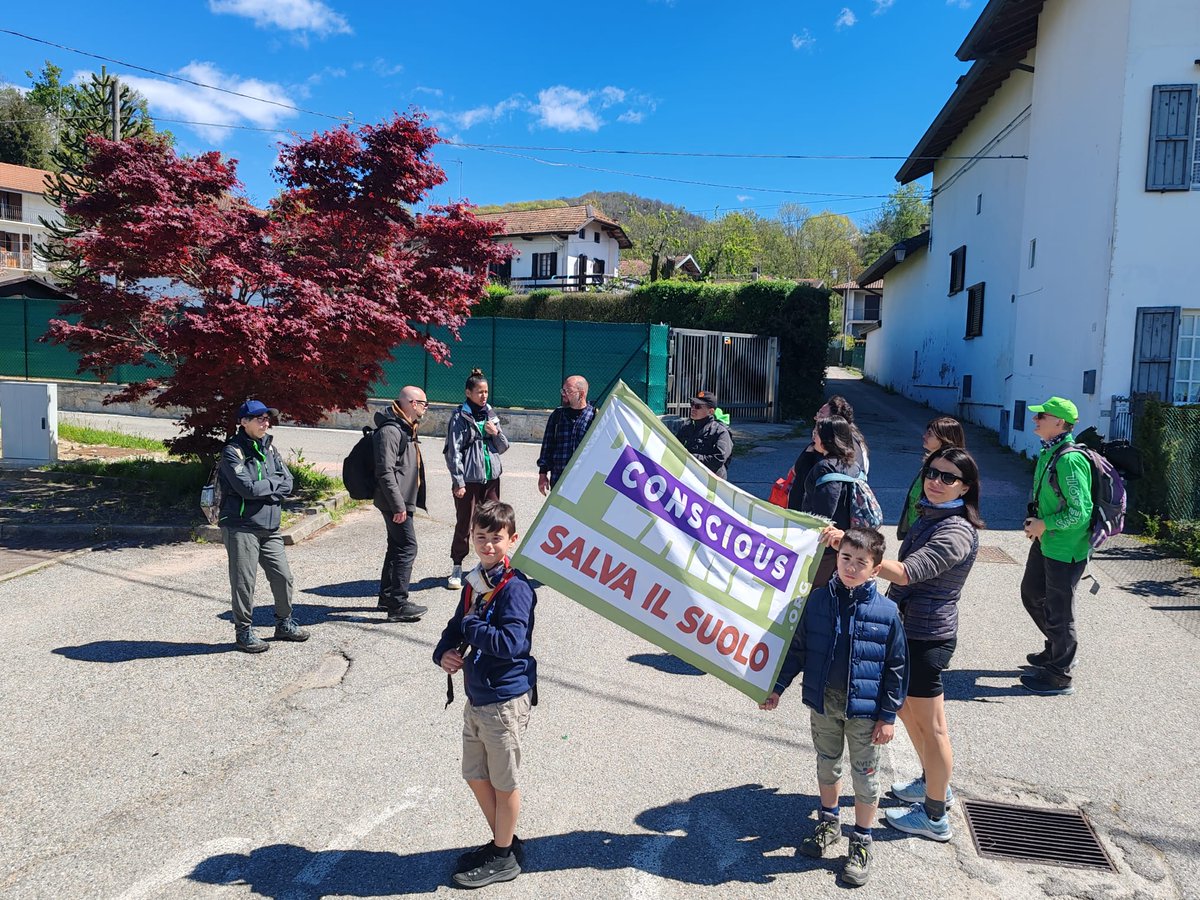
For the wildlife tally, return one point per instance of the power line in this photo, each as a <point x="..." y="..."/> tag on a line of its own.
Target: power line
<point x="180" y="78"/>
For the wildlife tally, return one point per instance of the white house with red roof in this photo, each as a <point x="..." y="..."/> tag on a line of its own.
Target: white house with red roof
<point x="1065" y="222"/>
<point x="568" y="247"/>
<point x="21" y="207"/>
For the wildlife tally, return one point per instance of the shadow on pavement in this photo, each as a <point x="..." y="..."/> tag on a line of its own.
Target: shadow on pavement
<point x="128" y="651"/>
<point x="365" y="587"/>
<point x="746" y="834"/>
<point x="963" y="684"/>
<point x="1174" y="587"/>
<point x="665" y="662"/>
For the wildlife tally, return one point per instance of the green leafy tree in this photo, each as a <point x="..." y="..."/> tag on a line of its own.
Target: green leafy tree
<point x="829" y="243"/>
<point x="904" y="214"/>
<point x="25" y="138"/>
<point x="86" y="110"/>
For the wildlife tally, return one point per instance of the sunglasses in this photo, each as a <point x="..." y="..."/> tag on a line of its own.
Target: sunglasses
<point x="932" y="474"/>
<point x="263" y="418"/>
<point x="424" y="403"/>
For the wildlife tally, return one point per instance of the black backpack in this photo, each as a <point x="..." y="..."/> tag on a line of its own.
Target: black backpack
<point x="358" y="468"/>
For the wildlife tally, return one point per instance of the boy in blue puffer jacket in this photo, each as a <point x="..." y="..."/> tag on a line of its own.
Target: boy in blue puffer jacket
<point x="850" y="645"/>
<point x="489" y="638"/>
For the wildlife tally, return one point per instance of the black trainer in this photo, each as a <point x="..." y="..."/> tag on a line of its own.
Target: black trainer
<point x="288" y="630"/>
<point x="477" y="857"/>
<point x="1045" y="686"/>
<point x="492" y="870"/>
<point x="249" y="642"/>
<point x="407" y="612"/>
<point x="1038" y="660"/>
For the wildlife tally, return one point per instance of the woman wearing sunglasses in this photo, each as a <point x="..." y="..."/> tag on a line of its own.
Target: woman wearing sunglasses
<point x="927" y="581"/>
<point x="942" y="431"/>
<point x="833" y="439"/>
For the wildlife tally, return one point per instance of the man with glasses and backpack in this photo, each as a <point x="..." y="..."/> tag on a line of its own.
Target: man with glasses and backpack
<point x="1059" y="524"/>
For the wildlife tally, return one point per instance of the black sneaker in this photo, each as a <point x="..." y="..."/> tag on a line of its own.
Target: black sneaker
<point x="407" y="612"/>
<point x="288" y="630"/>
<point x="1044" y="686"/>
<point x="249" y="642"/>
<point x="477" y="857"/>
<point x="827" y="833"/>
<point x="1038" y="660"/>
<point x="495" y="868"/>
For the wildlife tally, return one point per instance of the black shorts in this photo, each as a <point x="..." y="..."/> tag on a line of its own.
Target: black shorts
<point x="926" y="662"/>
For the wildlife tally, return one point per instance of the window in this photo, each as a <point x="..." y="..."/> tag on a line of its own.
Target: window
<point x="1018" y="419"/>
<point x="1032" y="252"/>
<point x="958" y="269"/>
<point x="1170" y="161"/>
<point x="966" y="386"/>
<point x="1089" y="381"/>
<point x="10" y="206"/>
<point x="974" y="311"/>
<point x="583" y="233"/>
<point x="978" y="204"/>
<point x="545" y="265"/>
<point x="871" y="308"/>
<point x="598" y="266"/>
<point x="597" y="237"/>
<point x="1187" y="358"/>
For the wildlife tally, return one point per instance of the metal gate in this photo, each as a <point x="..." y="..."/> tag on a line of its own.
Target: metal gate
<point x="742" y="369"/>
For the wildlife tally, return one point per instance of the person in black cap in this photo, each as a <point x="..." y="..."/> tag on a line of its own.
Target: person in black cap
<point x="704" y="436"/>
<point x="255" y="481"/>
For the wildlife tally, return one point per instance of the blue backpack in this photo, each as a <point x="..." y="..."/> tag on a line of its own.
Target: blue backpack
<point x="865" y="511"/>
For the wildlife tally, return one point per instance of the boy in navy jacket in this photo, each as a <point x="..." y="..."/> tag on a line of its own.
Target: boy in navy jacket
<point x="489" y="638"/>
<point x="850" y="645"/>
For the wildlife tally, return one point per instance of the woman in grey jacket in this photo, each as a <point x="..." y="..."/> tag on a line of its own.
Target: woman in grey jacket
<point x="474" y="442"/>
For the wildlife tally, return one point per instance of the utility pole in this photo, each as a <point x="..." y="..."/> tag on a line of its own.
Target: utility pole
<point x="116" y="110"/>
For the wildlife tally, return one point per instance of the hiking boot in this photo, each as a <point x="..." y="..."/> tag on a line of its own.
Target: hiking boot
<point x="1046" y="685"/>
<point x="288" y="630"/>
<point x="407" y="612"/>
<point x="474" y="858"/>
<point x="1038" y="660"/>
<point x="914" y="791"/>
<point x="493" y="869"/>
<point x="249" y="642"/>
<point x="857" y="869"/>
<point x="454" y="582"/>
<point x="915" y="820"/>
<point x="827" y="833"/>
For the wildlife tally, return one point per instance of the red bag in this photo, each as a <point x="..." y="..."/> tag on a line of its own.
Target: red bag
<point x="782" y="489"/>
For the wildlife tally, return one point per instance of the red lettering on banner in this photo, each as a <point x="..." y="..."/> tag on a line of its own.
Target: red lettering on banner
<point x="607" y="572"/>
<point x="615" y="575"/>
<point x="573" y="553"/>
<point x="554" y="539"/>
<point x="586" y="568"/>
<point x="712" y="635"/>
<point x="725" y="647"/>
<point x="691" y="618"/>
<point x="625" y="583"/>
<point x="739" y="655"/>
<point x="759" y="657"/>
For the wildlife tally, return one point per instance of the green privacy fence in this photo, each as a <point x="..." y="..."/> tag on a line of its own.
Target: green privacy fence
<point x="525" y="360"/>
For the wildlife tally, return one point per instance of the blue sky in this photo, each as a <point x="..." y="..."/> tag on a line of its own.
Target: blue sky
<point x="807" y="77"/>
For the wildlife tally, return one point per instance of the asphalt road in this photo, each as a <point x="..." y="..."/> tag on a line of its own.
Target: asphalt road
<point x="142" y="757"/>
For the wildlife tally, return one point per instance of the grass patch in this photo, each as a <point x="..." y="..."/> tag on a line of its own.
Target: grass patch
<point x="1179" y="538"/>
<point x="82" y="434"/>
<point x="308" y="482"/>
<point x="170" y="481"/>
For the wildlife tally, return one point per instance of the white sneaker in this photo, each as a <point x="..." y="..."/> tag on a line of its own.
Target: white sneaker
<point x="454" y="582"/>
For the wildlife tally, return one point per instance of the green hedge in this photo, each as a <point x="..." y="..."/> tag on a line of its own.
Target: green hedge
<point x="797" y="314"/>
<point x="1169" y="438"/>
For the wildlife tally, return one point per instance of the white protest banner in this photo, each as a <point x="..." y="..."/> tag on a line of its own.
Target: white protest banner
<point x="641" y="532"/>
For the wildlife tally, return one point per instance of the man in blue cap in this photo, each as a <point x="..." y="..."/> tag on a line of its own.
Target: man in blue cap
<point x="255" y="482"/>
<point x="1060" y="527"/>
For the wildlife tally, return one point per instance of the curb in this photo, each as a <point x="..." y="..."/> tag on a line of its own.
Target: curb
<point x="312" y="519"/>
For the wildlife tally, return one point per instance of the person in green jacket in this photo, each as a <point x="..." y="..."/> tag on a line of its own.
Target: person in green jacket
<point x="1060" y="527"/>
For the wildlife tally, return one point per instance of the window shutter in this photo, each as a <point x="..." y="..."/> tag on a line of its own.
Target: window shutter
<point x="1155" y="338"/>
<point x="958" y="269"/>
<point x="1172" y="123"/>
<point x="552" y="268"/>
<point x="974" y="311"/>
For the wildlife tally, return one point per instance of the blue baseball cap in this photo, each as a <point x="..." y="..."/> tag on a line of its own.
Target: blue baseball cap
<point x="252" y="408"/>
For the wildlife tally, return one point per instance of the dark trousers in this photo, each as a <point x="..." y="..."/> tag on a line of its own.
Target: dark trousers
<point x="247" y="550"/>
<point x="397" y="561"/>
<point x="464" y="508"/>
<point x="1048" y="592"/>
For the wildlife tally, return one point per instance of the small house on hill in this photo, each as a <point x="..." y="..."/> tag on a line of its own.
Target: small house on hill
<point x="21" y="207"/>
<point x="568" y="247"/>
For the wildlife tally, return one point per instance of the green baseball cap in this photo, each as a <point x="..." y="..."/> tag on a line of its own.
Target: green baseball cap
<point x="1059" y="408"/>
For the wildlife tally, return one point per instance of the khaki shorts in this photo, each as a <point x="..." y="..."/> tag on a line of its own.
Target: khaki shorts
<point x="492" y="742"/>
<point x="831" y="733"/>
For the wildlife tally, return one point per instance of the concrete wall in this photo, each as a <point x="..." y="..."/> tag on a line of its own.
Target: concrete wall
<point x="519" y="424"/>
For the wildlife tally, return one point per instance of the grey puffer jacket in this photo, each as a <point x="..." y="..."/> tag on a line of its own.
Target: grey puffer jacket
<point x="399" y="469"/>
<point x="254" y="482"/>
<point x="938" y="553"/>
<point x="465" y="449"/>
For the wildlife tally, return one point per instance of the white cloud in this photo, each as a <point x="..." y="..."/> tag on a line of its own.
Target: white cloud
<point x="742" y="198"/>
<point x="290" y="15"/>
<point x="610" y="96"/>
<point x="481" y="114"/>
<point x="384" y="69"/>
<point x="566" y="109"/>
<point x="803" y="41"/>
<point x="961" y="4"/>
<point x="882" y="6"/>
<point x="171" y="99"/>
<point x="431" y="91"/>
<point x="631" y="117"/>
<point x="846" y="19"/>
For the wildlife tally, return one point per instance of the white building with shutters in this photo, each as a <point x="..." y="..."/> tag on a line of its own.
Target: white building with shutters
<point x="1061" y="254"/>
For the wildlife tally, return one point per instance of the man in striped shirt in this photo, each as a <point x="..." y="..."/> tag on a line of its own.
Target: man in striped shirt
<point x="564" y="430"/>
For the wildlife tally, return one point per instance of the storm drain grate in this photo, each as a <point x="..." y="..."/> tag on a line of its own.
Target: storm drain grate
<point x="994" y="555"/>
<point x="1053" y="837"/>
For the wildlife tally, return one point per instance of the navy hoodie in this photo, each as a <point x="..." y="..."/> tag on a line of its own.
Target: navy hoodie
<point x="499" y="666"/>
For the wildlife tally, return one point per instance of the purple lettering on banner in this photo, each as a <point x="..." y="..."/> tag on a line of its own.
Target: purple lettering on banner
<point x="656" y="490"/>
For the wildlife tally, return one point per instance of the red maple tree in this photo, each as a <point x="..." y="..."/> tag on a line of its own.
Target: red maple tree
<point x="297" y="305"/>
